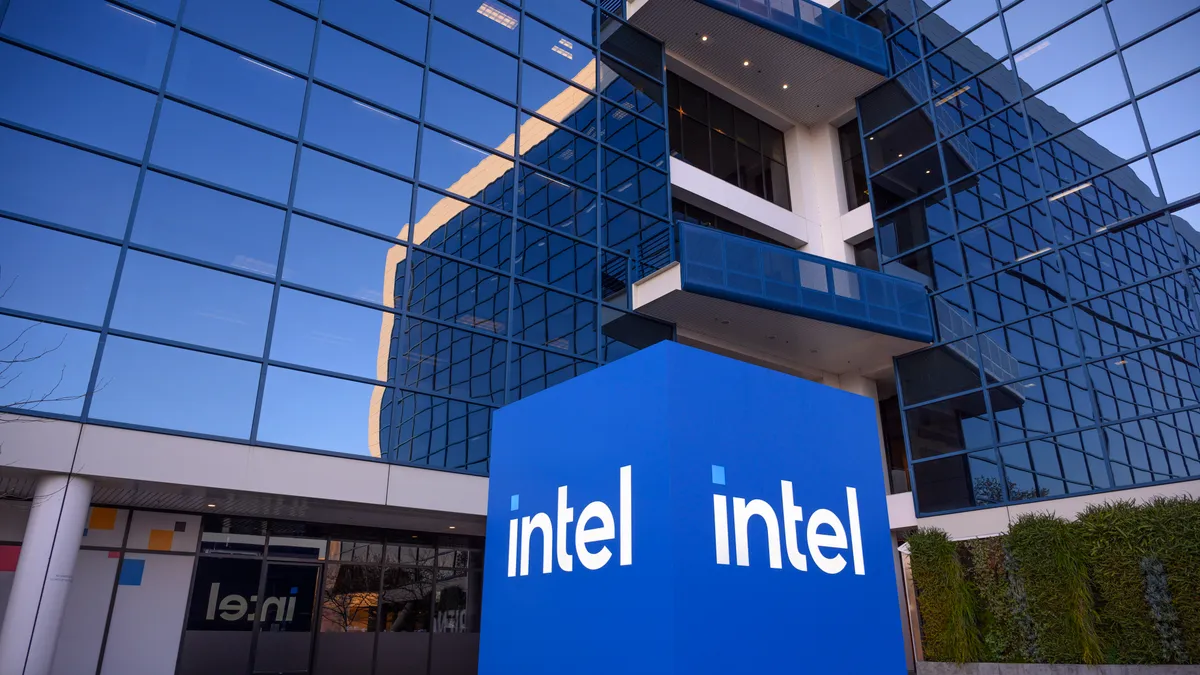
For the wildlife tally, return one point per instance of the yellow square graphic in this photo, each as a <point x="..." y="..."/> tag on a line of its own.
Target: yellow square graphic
<point x="102" y="518"/>
<point x="160" y="540"/>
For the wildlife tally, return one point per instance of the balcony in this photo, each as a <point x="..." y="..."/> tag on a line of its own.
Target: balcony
<point x="825" y="58"/>
<point x="793" y="309"/>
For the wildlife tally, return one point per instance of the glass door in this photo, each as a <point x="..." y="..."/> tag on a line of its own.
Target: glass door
<point x="286" y="619"/>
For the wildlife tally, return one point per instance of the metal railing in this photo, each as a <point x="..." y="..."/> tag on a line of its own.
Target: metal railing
<point x="815" y="26"/>
<point x="743" y="270"/>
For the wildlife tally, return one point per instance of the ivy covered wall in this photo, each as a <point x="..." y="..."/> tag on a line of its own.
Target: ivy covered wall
<point x="1119" y="585"/>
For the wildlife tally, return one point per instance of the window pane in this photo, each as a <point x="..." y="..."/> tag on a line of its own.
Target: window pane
<point x="352" y="194"/>
<point x="1066" y="50"/>
<point x="554" y="320"/>
<point x="54" y="274"/>
<point x="470" y="60"/>
<point x="186" y="218"/>
<point x="494" y="21"/>
<point x="724" y="154"/>
<point x="1168" y="114"/>
<point x="948" y="426"/>
<point x="558" y="150"/>
<point x="361" y="131"/>
<point x="553" y="98"/>
<point x="464" y="111"/>
<point x="214" y="149"/>
<point x="183" y="302"/>
<point x="532" y="370"/>
<point x="386" y="22"/>
<point x="453" y="361"/>
<point x="321" y="333"/>
<point x="134" y="387"/>
<point x="457" y="228"/>
<point x="64" y="100"/>
<point x="1133" y="18"/>
<point x="258" y="26"/>
<point x="695" y="143"/>
<point x="630" y="89"/>
<point x="556" y="260"/>
<point x="631" y="46"/>
<point x="640" y="185"/>
<point x="958" y="482"/>
<point x="238" y="85"/>
<point x="1094" y="90"/>
<point x="750" y="171"/>
<point x="35" y="174"/>
<point x="1177" y="169"/>
<point x="438" y="432"/>
<point x="338" y="260"/>
<point x="95" y="32"/>
<point x="444" y="289"/>
<point x="574" y="16"/>
<point x="369" y="72"/>
<point x="50" y="368"/>
<point x="313" y="411"/>
<point x="556" y="205"/>
<point x="1031" y="19"/>
<point x="634" y="135"/>
<point x="465" y="170"/>
<point x="559" y="54"/>
<point x="1166" y="55"/>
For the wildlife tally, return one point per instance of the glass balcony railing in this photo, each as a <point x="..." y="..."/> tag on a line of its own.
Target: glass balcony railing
<point x="815" y="26"/>
<point x="742" y="270"/>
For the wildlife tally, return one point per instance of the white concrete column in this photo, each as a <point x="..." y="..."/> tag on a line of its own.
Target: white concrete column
<point x="44" y="572"/>
<point x="857" y="384"/>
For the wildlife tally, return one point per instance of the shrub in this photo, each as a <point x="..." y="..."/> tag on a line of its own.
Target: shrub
<point x="1174" y="539"/>
<point x="997" y="612"/>
<point x="1115" y="538"/>
<point x="1052" y="563"/>
<point x="944" y="601"/>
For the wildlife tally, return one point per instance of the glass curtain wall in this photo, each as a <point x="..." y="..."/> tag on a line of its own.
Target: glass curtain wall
<point x="352" y="227"/>
<point x="1033" y="163"/>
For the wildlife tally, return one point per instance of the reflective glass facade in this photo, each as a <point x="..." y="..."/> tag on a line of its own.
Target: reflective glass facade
<point x="354" y="226"/>
<point x="1033" y="163"/>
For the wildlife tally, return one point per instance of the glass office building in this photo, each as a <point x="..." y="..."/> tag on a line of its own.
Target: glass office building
<point x="354" y="226"/>
<point x="1034" y="164"/>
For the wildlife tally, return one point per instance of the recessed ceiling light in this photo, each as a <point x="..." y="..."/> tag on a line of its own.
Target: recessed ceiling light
<point x="452" y="527"/>
<point x="926" y="170"/>
<point x="211" y="506"/>
<point x="745" y="63"/>
<point x="900" y="155"/>
<point x="704" y="38"/>
<point x="785" y="86"/>
<point x="871" y="138"/>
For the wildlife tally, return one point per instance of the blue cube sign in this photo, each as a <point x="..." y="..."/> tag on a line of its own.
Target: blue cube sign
<point x="682" y="512"/>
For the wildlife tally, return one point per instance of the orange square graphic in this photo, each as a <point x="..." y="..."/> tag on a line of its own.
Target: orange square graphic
<point x="102" y="518"/>
<point x="160" y="540"/>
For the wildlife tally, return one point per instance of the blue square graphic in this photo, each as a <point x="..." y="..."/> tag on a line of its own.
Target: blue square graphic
<point x="132" y="570"/>
<point x="686" y="484"/>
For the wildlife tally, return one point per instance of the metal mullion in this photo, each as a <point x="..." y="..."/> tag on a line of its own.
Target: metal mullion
<point x="41" y="318"/>
<point x="202" y="182"/>
<point x="200" y="262"/>
<point x="450" y="23"/>
<point x="70" y="143"/>
<point x="401" y="325"/>
<point x="137" y="193"/>
<point x="314" y="370"/>
<point x="363" y="164"/>
<point x="229" y="117"/>
<point x="467" y="141"/>
<point x="65" y="229"/>
<point x="178" y="344"/>
<point x="112" y="600"/>
<point x="46" y="414"/>
<point x="279" y="268"/>
<point x="70" y="61"/>
<point x="348" y="93"/>
<point x="378" y="45"/>
<point x="895" y="79"/>
<point x="640" y="115"/>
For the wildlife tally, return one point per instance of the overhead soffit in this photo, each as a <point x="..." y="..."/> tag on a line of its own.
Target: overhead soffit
<point x="821" y="86"/>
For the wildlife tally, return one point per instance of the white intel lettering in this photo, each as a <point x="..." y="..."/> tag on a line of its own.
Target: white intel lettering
<point x="234" y="607"/>
<point x="824" y="533"/>
<point x="596" y="525"/>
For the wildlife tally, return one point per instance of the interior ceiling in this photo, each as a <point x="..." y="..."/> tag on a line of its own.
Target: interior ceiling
<point x="821" y="86"/>
<point x="16" y="484"/>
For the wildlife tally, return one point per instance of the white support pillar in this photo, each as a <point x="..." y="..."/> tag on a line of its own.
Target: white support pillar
<point x="44" y="572"/>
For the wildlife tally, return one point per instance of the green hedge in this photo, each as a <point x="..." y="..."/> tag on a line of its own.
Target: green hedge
<point x="1119" y="585"/>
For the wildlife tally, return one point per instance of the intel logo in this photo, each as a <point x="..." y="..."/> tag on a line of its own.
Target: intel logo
<point x="826" y="537"/>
